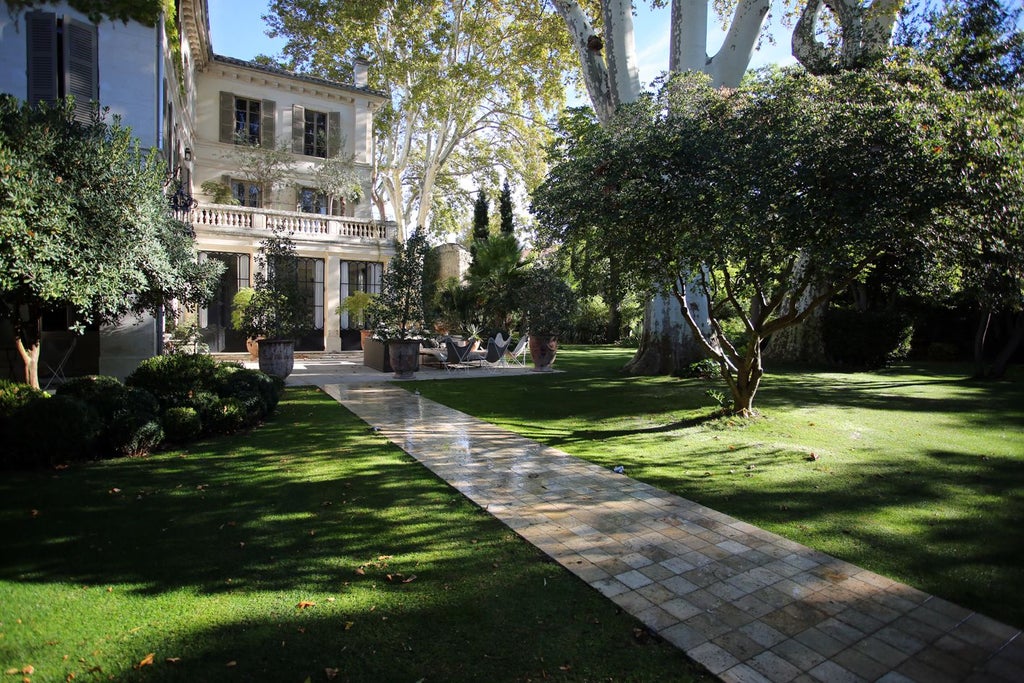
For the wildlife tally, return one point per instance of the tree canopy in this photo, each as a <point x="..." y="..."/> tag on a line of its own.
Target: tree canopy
<point x="754" y="194"/>
<point x="84" y="224"/>
<point x="470" y="82"/>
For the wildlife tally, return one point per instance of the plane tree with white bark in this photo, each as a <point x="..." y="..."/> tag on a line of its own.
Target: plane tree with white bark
<point x="603" y="36"/>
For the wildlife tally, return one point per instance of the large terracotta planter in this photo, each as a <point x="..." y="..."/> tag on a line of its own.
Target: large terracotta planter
<point x="405" y="358"/>
<point x="253" y="347"/>
<point x="542" y="350"/>
<point x="363" y="336"/>
<point x="277" y="356"/>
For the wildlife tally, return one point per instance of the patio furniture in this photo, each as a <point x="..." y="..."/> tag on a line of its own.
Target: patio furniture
<point x="494" y="357"/>
<point x="517" y="356"/>
<point x="461" y="356"/>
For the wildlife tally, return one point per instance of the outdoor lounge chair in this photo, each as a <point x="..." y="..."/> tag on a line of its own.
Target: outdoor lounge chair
<point x="461" y="355"/>
<point x="517" y="356"/>
<point x="496" y="350"/>
<point x="56" y="369"/>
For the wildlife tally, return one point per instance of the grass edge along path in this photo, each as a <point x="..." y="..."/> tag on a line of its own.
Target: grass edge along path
<point x="309" y="549"/>
<point x="912" y="472"/>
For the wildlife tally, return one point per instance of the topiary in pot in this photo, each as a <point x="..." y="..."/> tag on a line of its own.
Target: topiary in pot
<point x="547" y="305"/>
<point x="398" y="309"/>
<point x="272" y="313"/>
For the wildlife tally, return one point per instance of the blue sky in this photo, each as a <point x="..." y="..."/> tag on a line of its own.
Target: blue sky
<point x="238" y="31"/>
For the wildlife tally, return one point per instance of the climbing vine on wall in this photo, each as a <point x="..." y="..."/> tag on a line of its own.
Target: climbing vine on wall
<point x="143" y="11"/>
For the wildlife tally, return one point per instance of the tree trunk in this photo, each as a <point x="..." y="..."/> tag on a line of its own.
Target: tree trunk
<point x="980" y="337"/>
<point x="667" y="344"/>
<point x="609" y="72"/>
<point x="27" y="341"/>
<point x="1009" y="348"/>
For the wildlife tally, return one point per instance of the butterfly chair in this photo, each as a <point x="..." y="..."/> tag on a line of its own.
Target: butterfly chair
<point x="496" y="350"/>
<point x="517" y="356"/>
<point x="459" y="356"/>
<point x="56" y="369"/>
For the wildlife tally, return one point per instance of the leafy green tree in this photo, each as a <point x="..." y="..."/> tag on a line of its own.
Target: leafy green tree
<point x="505" y="209"/>
<point x="976" y="45"/>
<point x="481" y="217"/>
<point x="399" y="308"/>
<point x="85" y="225"/>
<point x="755" y="195"/>
<point x="469" y="82"/>
<point x="494" y="276"/>
<point x="973" y="44"/>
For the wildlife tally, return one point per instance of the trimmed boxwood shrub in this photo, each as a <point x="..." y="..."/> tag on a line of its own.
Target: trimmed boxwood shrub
<point x="129" y="415"/>
<point x="866" y="339"/>
<point x="182" y="424"/>
<point x="50" y="430"/>
<point x="249" y="385"/>
<point x="13" y="395"/>
<point x="174" y="378"/>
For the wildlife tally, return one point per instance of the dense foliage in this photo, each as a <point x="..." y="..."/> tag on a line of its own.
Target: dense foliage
<point x="177" y="398"/>
<point x="272" y="309"/>
<point x="398" y="309"/>
<point x="84" y="224"/>
<point x="470" y="84"/>
<point x="771" y="197"/>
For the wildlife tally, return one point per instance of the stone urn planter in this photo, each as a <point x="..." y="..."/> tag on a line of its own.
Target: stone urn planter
<point x="542" y="350"/>
<point x="405" y="357"/>
<point x="277" y="356"/>
<point x="363" y="336"/>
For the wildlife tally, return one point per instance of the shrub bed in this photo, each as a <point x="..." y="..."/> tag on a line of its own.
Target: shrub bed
<point x="178" y="398"/>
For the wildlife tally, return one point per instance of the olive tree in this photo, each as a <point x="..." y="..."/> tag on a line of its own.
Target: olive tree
<point x="85" y="225"/>
<point x="792" y="184"/>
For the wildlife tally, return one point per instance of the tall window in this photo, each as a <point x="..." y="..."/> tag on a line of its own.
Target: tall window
<point x="63" y="59"/>
<point x="315" y="135"/>
<point x="360" y="276"/>
<point x="247" y="193"/>
<point x="247" y="121"/>
<point x="312" y="201"/>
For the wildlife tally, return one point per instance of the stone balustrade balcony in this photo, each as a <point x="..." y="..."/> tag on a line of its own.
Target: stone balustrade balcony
<point x="260" y="223"/>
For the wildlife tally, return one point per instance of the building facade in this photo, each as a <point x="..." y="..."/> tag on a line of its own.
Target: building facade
<point x="212" y="117"/>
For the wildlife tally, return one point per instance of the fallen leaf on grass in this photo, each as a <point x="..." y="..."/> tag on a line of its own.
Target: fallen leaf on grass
<point x="330" y="673"/>
<point x="34" y="513"/>
<point x="305" y="603"/>
<point x="173" y="660"/>
<point x="146" y="661"/>
<point x="360" y="571"/>
<point x="349" y="625"/>
<point x="231" y="663"/>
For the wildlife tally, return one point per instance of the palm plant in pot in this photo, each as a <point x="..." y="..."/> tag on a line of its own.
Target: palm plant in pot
<point x="356" y="305"/>
<point x="272" y="314"/>
<point x="398" y="309"/>
<point x="547" y="304"/>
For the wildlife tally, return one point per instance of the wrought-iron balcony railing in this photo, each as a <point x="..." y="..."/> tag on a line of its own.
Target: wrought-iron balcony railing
<point x="261" y="222"/>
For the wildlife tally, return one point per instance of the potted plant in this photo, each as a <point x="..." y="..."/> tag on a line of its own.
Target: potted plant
<point x="272" y="314"/>
<point x="400" y="306"/>
<point x="547" y="304"/>
<point x="355" y="304"/>
<point x="238" y="305"/>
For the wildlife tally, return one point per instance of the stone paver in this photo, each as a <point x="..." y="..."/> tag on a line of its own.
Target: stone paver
<point x="745" y="603"/>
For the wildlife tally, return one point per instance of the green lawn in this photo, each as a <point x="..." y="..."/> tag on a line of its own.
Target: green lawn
<point x="913" y="472"/>
<point x="309" y="549"/>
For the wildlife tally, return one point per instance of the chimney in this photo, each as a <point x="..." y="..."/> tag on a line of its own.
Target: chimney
<point x="360" y="68"/>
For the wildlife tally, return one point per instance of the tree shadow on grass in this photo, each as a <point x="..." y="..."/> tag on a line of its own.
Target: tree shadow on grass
<point x="409" y="579"/>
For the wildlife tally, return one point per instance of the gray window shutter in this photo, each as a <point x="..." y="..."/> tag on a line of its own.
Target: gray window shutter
<point x="81" y="66"/>
<point x="267" y="133"/>
<point x="227" y="117"/>
<point x="298" y="128"/>
<point x="41" y="41"/>
<point x="335" y="139"/>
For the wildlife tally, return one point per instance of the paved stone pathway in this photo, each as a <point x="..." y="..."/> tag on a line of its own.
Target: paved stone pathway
<point x="747" y="604"/>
